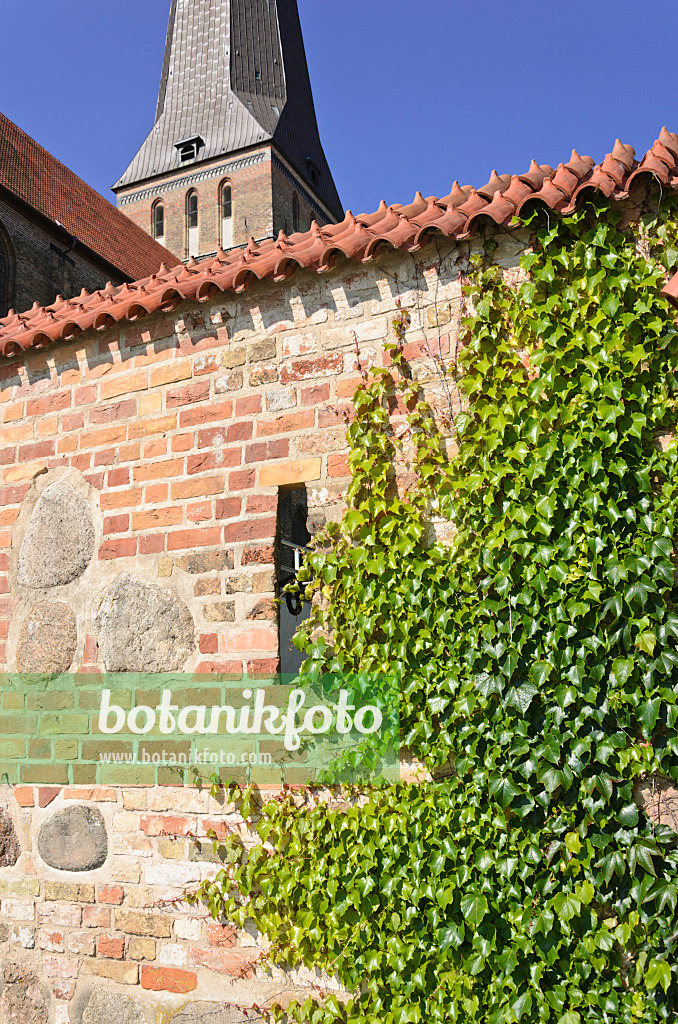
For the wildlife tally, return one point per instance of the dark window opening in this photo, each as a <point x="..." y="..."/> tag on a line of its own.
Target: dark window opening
<point x="226" y="202"/>
<point x="295" y="212"/>
<point x="192" y="210"/>
<point x="313" y="172"/>
<point x="293" y="540"/>
<point x="159" y="220"/>
<point x="3" y="283"/>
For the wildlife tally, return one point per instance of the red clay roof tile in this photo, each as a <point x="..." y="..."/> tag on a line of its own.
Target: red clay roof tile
<point x="356" y="238"/>
<point x="33" y="175"/>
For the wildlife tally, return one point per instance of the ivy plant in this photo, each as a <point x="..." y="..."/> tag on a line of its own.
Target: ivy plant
<point x="537" y="657"/>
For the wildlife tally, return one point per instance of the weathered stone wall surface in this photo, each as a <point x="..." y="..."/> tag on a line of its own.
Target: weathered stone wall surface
<point x="141" y="468"/>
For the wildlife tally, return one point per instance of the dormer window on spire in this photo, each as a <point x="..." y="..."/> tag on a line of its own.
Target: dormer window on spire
<point x="189" y="148"/>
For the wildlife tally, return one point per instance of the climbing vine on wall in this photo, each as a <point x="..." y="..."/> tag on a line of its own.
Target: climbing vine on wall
<point x="537" y="657"/>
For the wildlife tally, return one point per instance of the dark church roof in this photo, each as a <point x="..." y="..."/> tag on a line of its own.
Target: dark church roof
<point x="38" y="179"/>
<point x="234" y="75"/>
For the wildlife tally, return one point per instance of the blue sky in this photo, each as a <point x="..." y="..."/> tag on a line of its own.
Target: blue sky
<point x="410" y="94"/>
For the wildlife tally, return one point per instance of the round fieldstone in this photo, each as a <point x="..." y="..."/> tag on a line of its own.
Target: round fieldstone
<point x="144" y="628"/>
<point x="48" y="639"/>
<point x="23" y="999"/>
<point x="74" y="840"/>
<point x="59" y="541"/>
<point x="9" y="841"/>
<point x="111" y="1008"/>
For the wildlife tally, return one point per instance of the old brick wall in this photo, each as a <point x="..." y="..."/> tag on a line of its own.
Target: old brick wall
<point x="38" y="273"/>
<point x="154" y="452"/>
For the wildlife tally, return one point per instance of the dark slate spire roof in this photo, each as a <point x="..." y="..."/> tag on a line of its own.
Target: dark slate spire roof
<point x="234" y="74"/>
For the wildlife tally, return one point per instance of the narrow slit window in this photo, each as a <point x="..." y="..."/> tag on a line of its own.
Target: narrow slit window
<point x="295" y="212"/>
<point x="226" y="203"/>
<point x="158" y="224"/>
<point x="192" y="224"/>
<point x="293" y="542"/>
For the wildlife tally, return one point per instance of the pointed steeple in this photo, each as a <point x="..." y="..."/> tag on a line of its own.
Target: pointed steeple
<point x="235" y="78"/>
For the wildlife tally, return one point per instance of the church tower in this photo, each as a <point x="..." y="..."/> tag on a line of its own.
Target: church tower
<point x="235" y="151"/>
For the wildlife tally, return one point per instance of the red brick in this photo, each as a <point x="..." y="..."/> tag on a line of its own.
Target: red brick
<point x="24" y="796"/>
<point x="285" y="424"/>
<point x="205" y="364"/>
<point x="116" y="524"/>
<point x="224" y="458"/>
<point x="73" y="421"/>
<point x="208" y="643"/>
<point x="105" y="457"/>
<point x="159" y="470"/>
<point x="263" y="666"/>
<point x="241" y="480"/>
<point x="421" y="349"/>
<point x="166" y="824"/>
<point x="184" y="540"/>
<point x="152" y="518"/>
<point x="39" y="450"/>
<point x="252" y="529"/>
<point x="302" y="369"/>
<point x="233" y="962"/>
<point x="125" y="547"/>
<point x="230" y="668"/>
<point x="315" y="395"/>
<point x="258" y="555"/>
<point x="228" y="508"/>
<point x="148" y="333"/>
<point x="47" y="794"/>
<point x="217" y="436"/>
<point x="113" y="411"/>
<point x="262" y="451"/>
<point x="199" y="511"/>
<point x="49" y="403"/>
<point x="168" y="979"/>
<point x="121" y="499"/>
<point x="206" y="414"/>
<point x="335" y="415"/>
<point x="111" y="946"/>
<point x="182" y="442"/>
<point x="337" y="465"/>
<point x="118" y="477"/>
<point x="152" y="544"/>
<point x="154" y="494"/>
<point x="114" y="894"/>
<point x="90" y="651"/>
<point x="258" y="503"/>
<point x="248" y="405"/>
<point x="199" y="391"/>
<point x="223" y="936"/>
<point x="197" y="488"/>
<point x="155" y="449"/>
<point x="85" y="395"/>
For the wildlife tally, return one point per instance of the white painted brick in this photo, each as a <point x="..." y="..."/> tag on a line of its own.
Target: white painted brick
<point x="298" y="345"/>
<point x="170" y="955"/>
<point x="169" y="873"/>
<point x="126" y="821"/>
<point x="188" y="928"/>
<point x="18" y="910"/>
<point x="59" y="915"/>
<point x="24" y="937"/>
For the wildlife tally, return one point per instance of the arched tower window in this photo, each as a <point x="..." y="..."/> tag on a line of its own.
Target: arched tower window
<point x="295" y="212"/>
<point x="158" y="221"/>
<point x="226" y="207"/>
<point x="192" y="225"/>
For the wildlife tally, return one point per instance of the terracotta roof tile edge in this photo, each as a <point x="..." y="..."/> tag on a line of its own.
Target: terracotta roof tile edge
<point x="405" y="228"/>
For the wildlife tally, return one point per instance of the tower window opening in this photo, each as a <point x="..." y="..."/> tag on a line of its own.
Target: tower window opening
<point x="189" y="148"/>
<point x="226" y="216"/>
<point x="295" y="212"/>
<point x="192" y="224"/>
<point x="158" y="220"/>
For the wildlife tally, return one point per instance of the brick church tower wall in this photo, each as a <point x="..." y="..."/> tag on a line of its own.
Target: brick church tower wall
<point x="145" y="462"/>
<point x="48" y="268"/>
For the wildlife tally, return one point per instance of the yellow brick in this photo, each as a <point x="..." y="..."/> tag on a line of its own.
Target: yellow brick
<point x="25" y="471"/>
<point x="172" y="373"/>
<point x="164" y="567"/>
<point x="149" y="404"/>
<point x="278" y="475"/>
<point x="124" y="384"/>
<point x="159" y="425"/>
